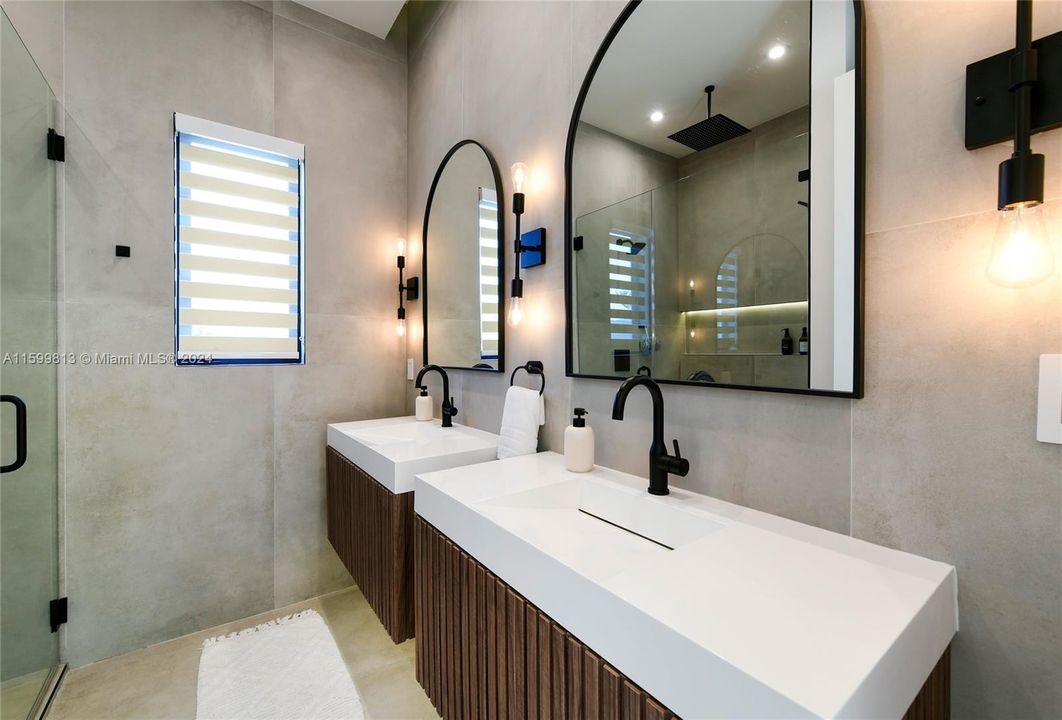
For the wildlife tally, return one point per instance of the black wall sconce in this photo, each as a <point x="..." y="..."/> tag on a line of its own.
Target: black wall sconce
<point x="1016" y="94"/>
<point x="530" y="249"/>
<point x="407" y="289"/>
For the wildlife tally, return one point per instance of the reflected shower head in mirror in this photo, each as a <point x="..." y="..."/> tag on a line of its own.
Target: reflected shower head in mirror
<point x="713" y="130"/>
<point x="636" y="247"/>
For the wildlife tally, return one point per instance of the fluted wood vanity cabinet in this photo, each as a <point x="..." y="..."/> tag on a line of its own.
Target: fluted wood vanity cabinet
<point x="484" y="651"/>
<point x="370" y="528"/>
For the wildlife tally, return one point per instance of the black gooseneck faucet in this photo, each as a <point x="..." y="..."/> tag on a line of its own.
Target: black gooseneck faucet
<point x="660" y="463"/>
<point x="448" y="407"/>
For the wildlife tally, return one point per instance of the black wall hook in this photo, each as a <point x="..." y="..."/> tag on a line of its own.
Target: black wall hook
<point x="531" y="367"/>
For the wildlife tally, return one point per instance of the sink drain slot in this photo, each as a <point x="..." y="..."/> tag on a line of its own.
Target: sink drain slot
<point x="626" y="530"/>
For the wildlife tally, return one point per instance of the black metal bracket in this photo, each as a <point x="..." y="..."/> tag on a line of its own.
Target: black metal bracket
<point x="531" y="367"/>
<point x="412" y="288"/>
<point x="990" y="102"/>
<point x="56" y="146"/>
<point x="577" y="243"/>
<point x="57" y="613"/>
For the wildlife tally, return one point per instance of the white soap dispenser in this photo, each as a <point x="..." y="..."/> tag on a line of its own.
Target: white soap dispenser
<point x="579" y="444"/>
<point x="423" y="405"/>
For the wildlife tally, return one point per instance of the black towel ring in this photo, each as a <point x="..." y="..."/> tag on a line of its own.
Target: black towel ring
<point x="532" y="367"/>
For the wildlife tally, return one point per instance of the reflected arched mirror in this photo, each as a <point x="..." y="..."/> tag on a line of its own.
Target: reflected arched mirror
<point x="714" y="200"/>
<point x="463" y="266"/>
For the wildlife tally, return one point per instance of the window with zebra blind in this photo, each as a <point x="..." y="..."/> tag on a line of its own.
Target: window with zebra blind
<point x="488" y="274"/>
<point x="239" y="238"/>
<point x="629" y="292"/>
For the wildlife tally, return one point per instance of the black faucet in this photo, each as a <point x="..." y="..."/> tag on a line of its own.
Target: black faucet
<point x="448" y="407"/>
<point x="660" y="463"/>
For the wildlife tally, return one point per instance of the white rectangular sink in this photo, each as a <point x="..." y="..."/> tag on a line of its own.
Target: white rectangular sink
<point x="600" y="501"/>
<point x="394" y="450"/>
<point x="715" y="609"/>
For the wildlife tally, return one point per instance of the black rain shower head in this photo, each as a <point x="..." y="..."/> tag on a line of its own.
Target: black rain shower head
<point x="636" y="247"/>
<point x="713" y="130"/>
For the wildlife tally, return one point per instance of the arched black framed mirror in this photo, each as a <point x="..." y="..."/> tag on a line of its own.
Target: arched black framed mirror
<point x="714" y="198"/>
<point x="463" y="262"/>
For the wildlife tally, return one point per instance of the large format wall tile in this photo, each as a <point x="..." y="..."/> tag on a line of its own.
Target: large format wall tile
<point x="40" y="26"/>
<point x="946" y="462"/>
<point x="349" y="106"/>
<point x="434" y="127"/>
<point x="918" y="169"/>
<point x="129" y="67"/>
<point x="783" y="454"/>
<point x="341" y="382"/>
<point x="169" y="487"/>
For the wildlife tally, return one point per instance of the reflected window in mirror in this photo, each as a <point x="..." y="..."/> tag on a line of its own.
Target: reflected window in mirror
<point x="489" y="286"/>
<point x="714" y="193"/>
<point x="464" y="263"/>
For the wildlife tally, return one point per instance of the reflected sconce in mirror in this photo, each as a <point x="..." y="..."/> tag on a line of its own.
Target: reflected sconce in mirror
<point x="407" y="289"/>
<point x="530" y="248"/>
<point x="1016" y="94"/>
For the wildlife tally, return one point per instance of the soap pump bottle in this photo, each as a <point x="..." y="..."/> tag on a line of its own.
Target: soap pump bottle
<point x="579" y="444"/>
<point x="787" y="342"/>
<point x="423" y="405"/>
<point x="802" y="344"/>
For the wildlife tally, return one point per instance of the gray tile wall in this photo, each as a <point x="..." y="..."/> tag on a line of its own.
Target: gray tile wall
<point x="940" y="458"/>
<point x="195" y="496"/>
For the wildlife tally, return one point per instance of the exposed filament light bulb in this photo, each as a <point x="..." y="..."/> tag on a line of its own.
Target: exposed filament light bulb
<point x="519" y="171"/>
<point x="401" y="244"/>
<point x="515" y="314"/>
<point x="1021" y="251"/>
<point x="400" y="328"/>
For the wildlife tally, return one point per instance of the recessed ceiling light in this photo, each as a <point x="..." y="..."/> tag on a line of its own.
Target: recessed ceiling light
<point x="656" y="115"/>
<point x="776" y="52"/>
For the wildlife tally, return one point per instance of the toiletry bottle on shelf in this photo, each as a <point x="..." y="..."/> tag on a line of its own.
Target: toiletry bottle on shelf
<point x="423" y="405"/>
<point x="787" y="342"/>
<point x="802" y="344"/>
<point x="579" y="444"/>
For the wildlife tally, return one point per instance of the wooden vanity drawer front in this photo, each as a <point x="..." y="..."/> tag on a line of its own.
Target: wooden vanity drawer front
<point x="371" y="530"/>
<point x="483" y="651"/>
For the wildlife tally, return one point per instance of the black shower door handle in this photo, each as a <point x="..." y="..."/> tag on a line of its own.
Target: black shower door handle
<point x="20" y="433"/>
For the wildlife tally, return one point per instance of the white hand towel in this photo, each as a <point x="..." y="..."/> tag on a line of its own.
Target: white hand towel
<point x="524" y="412"/>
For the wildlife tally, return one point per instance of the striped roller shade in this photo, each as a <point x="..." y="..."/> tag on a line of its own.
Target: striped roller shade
<point x="239" y="245"/>
<point x="488" y="274"/>
<point x="629" y="291"/>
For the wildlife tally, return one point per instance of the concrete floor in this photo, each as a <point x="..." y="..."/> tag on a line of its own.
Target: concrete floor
<point x="159" y="682"/>
<point x="17" y="696"/>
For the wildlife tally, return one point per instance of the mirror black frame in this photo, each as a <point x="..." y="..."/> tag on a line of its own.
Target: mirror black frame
<point x="860" y="215"/>
<point x="501" y="256"/>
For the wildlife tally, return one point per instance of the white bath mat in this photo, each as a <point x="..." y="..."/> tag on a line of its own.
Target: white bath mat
<point x="287" y="669"/>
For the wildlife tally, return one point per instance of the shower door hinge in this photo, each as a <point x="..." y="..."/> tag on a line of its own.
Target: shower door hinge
<point x="56" y="146"/>
<point x="57" y="613"/>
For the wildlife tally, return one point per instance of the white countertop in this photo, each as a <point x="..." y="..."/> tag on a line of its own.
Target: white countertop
<point x="750" y="615"/>
<point x="393" y="450"/>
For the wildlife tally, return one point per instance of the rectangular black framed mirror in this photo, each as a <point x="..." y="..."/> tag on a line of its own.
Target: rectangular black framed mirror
<point x="715" y="196"/>
<point x="463" y="262"/>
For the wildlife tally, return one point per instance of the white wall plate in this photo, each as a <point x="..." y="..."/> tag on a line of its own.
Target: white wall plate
<point x="1049" y="413"/>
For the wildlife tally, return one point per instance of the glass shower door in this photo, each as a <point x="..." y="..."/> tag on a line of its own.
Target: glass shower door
<point x="29" y="650"/>
<point x="612" y="288"/>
